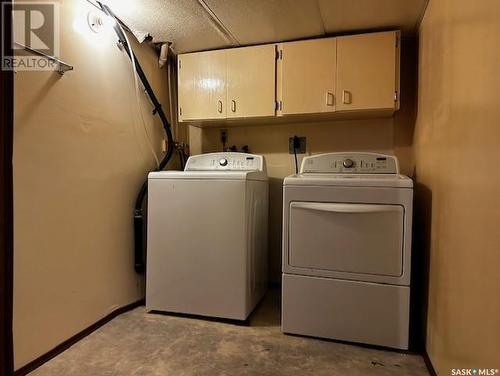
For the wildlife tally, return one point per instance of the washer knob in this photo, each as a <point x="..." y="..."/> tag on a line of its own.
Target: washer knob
<point x="223" y="162"/>
<point x="348" y="163"/>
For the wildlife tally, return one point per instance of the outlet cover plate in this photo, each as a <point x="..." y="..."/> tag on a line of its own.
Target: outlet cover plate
<point x="301" y="149"/>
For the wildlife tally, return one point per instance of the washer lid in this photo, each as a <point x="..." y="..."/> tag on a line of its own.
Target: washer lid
<point x="226" y="161"/>
<point x="219" y="166"/>
<point x="379" y="180"/>
<point x="208" y="175"/>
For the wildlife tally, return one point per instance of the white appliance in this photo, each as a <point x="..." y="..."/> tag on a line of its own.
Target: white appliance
<point x="207" y="236"/>
<point x="347" y="220"/>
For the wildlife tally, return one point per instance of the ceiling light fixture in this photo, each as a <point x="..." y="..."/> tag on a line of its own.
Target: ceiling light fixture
<point x="98" y="21"/>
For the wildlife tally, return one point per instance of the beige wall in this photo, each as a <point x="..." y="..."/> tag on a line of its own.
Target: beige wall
<point x="456" y="154"/>
<point x="80" y="156"/>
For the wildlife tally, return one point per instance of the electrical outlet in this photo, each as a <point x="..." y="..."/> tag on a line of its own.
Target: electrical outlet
<point x="301" y="149"/>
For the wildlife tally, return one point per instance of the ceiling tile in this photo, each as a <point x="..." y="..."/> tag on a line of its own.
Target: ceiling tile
<point x="196" y="25"/>
<point x="347" y="15"/>
<point x="264" y="21"/>
<point x="185" y="23"/>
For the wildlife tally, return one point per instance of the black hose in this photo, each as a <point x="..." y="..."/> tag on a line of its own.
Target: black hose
<point x="158" y="110"/>
<point x="296" y="162"/>
<point x="181" y="159"/>
<point x="296" y="145"/>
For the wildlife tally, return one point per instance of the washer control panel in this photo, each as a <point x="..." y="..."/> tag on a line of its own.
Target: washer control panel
<point x="350" y="163"/>
<point x="225" y="162"/>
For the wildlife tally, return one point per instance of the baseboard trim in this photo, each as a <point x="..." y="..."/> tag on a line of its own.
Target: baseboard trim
<point x="429" y="365"/>
<point x="31" y="366"/>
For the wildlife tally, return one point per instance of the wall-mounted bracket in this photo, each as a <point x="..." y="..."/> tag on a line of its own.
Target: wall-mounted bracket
<point x="62" y="67"/>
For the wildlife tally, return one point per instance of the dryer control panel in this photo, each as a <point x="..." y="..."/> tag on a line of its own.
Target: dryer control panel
<point x="225" y="162"/>
<point x="350" y="163"/>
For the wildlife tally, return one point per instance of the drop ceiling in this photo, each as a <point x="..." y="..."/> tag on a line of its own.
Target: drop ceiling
<point x="195" y="25"/>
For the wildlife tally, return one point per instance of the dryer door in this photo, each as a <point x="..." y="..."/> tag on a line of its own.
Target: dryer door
<point x="344" y="237"/>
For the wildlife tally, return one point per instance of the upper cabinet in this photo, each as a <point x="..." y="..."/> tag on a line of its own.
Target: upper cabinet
<point x="368" y="72"/>
<point x="226" y="84"/>
<point x="306" y="82"/>
<point x="250" y="82"/>
<point x="202" y="85"/>
<point x="349" y="74"/>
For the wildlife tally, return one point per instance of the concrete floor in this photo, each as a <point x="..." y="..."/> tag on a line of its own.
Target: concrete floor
<point x="140" y="343"/>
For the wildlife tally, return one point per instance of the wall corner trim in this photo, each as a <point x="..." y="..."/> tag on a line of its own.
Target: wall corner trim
<point x="428" y="364"/>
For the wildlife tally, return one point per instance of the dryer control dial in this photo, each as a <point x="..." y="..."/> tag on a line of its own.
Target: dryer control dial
<point x="223" y="162"/>
<point x="348" y="163"/>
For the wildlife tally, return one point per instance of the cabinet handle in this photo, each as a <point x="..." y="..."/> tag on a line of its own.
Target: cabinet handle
<point x="233" y="105"/>
<point x="219" y="107"/>
<point x="330" y="99"/>
<point x="346" y="97"/>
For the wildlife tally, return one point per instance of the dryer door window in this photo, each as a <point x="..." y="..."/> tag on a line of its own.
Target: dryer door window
<point x="344" y="237"/>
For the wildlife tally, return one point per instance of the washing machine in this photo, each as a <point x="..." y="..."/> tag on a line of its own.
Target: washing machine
<point x="207" y="236"/>
<point x="347" y="220"/>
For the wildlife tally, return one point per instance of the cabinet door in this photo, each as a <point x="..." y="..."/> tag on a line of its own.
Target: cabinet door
<point x="366" y="71"/>
<point x="307" y="77"/>
<point x="202" y="85"/>
<point x="251" y="81"/>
